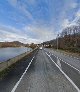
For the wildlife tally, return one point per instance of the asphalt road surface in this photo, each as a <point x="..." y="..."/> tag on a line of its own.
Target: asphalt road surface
<point x="44" y="75"/>
<point x="69" y="65"/>
<point x="14" y="73"/>
<point x="71" y="60"/>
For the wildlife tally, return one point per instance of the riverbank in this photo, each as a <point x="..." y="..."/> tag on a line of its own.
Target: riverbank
<point x="14" y="47"/>
<point x="14" y="72"/>
<point x="8" y="53"/>
<point x="6" y="66"/>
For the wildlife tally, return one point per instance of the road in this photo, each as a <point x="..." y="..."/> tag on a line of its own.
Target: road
<point x="14" y="73"/>
<point x="71" y="60"/>
<point x="70" y="65"/>
<point x="44" y="75"/>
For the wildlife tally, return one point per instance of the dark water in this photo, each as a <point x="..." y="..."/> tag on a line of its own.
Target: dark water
<point x="7" y="53"/>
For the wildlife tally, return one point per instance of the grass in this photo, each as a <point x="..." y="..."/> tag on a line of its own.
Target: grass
<point x="70" y="52"/>
<point x="4" y="73"/>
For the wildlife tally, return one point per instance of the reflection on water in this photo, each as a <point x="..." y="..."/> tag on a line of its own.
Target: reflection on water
<point x="7" y="53"/>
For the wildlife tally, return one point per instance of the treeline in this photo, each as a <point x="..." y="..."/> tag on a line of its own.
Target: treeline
<point x="11" y="44"/>
<point x="68" y="39"/>
<point x="17" y="44"/>
<point x="32" y="45"/>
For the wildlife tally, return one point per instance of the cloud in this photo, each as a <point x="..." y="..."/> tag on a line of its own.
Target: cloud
<point x="13" y="2"/>
<point x="65" y="23"/>
<point x="65" y="12"/>
<point x="32" y="2"/>
<point x="26" y="12"/>
<point x="39" y="16"/>
<point x="70" y="4"/>
<point x="41" y="33"/>
<point x="73" y="5"/>
<point x="22" y="8"/>
<point x="8" y="33"/>
<point x="27" y="34"/>
<point x="78" y="13"/>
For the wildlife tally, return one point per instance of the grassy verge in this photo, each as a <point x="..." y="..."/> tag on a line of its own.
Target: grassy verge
<point x="69" y="52"/>
<point x="6" y="71"/>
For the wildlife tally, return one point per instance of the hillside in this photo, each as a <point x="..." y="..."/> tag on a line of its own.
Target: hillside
<point x="11" y="44"/>
<point x="68" y="39"/>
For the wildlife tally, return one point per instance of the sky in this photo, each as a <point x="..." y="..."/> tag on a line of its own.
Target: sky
<point x="36" y="21"/>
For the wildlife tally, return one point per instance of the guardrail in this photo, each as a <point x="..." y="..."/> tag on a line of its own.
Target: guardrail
<point x="6" y="64"/>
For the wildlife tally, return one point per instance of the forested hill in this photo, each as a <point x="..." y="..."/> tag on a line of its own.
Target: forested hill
<point x="68" y="39"/>
<point x="11" y="44"/>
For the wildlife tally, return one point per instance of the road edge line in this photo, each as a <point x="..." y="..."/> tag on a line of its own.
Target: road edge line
<point x="67" y="63"/>
<point x="16" y="85"/>
<point x="70" y="65"/>
<point x="64" y="74"/>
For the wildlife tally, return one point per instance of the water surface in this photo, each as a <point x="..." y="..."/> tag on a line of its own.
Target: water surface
<point x="7" y="53"/>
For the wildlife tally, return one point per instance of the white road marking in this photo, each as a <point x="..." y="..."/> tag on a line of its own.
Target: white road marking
<point x="58" y="62"/>
<point x="68" y="64"/>
<point x="64" y="74"/>
<point x="71" y="66"/>
<point x="15" y="87"/>
<point x="67" y="55"/>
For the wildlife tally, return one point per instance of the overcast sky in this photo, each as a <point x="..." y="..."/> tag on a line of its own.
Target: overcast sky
<point x="35" y="20"/>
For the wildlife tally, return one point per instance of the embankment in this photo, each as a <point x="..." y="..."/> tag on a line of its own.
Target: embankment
<point x="4" y="65"/>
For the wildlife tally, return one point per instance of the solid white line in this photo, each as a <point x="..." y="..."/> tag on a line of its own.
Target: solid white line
<point x="68" y="64"/>
<point x="13" y="90"/>
<point x="64" y="74"/>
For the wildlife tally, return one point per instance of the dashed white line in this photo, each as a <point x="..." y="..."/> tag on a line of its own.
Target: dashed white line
<point x="68" y="64"/>
<point x="68" y="55"/>
<point x="15" y="87"/>
<point x="64" y="74"/>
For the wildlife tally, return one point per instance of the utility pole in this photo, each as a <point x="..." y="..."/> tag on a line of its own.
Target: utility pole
<point x="57" y="41"/>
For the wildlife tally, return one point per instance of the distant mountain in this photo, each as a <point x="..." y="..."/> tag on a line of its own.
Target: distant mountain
<point x="11" y="44"/>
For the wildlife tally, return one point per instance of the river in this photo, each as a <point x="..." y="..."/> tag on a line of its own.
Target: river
<point x="7" y="53"/>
